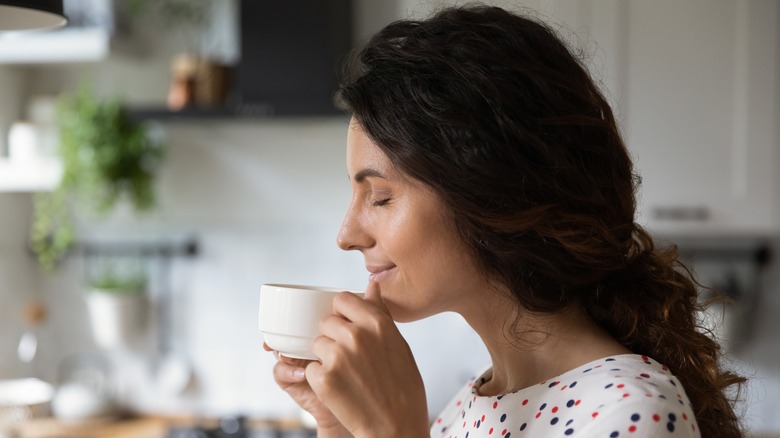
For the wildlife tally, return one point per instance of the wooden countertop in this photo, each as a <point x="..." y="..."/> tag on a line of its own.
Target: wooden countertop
<point x="142" y="427"/>
<point x="130" y="427"/>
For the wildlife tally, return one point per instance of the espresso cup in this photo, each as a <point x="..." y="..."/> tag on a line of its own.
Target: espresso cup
<point x="290" y="315"/>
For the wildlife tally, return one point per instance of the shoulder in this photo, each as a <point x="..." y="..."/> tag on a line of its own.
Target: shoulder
<point x="625" y="395"/>
<point x="632" y="395"/>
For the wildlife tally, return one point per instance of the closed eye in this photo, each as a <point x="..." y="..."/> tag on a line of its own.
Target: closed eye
<point x="381" y="202"/>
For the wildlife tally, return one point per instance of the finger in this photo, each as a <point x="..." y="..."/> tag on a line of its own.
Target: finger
<point x="374" y="296"/>
<point x="324" y="348"/>
<point x="301" y="363"/>
<point x="333" y="326"/>
<point x="286" y="373"/>
<point x="313" y="374"/>
<point x="349" y="306"/>
<point x="267" y="348"/>
<point x="372" y="292"/>
<point x="322" y="381"/>
<point x="360" y="311"/>
<point x="281" y="357"/>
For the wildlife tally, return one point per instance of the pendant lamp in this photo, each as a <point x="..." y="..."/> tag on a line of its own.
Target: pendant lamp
<point x="31" y="14"/>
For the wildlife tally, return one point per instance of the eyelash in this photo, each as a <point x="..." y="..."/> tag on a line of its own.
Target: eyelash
<point x="381" y="202"/>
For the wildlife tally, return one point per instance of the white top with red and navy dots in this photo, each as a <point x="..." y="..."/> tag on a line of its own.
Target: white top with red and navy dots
<point x="621" y="396"/>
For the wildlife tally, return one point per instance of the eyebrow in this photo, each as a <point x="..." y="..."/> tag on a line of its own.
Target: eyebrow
<point x="365" y="173"/>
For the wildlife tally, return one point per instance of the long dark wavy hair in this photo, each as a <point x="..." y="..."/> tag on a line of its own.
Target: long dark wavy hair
<point x="495" y="113"/>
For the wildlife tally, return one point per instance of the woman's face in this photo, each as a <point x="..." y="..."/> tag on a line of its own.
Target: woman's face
<point x="409" y="246"/>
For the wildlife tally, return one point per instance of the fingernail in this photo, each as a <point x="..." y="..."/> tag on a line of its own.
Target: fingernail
<point x="276" y="355"/>
<point x="299" y="373"/>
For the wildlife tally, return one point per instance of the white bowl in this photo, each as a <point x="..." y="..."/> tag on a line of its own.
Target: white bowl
<point x="21" y="399"/>
<point x="290" y="315"/>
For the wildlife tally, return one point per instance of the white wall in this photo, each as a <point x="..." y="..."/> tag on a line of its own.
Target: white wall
<point x="19" y="285"/>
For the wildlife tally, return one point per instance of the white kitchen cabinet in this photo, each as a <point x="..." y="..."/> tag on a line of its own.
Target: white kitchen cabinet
<point x="55" y="46"/>
<point x="85" y="38"/>
<point x="40" y="176"/>
<point x="700" y="106"/>
<point x="695" y="87"/>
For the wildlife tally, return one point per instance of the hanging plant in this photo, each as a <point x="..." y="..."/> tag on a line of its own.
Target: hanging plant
<point x="107" y="156"/>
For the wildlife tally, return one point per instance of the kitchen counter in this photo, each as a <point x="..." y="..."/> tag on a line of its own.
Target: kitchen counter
<point x="49" y="427"/>
<point x="150" y="427"/>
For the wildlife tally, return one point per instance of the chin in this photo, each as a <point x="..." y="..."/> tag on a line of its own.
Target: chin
<point x="404" y="314"/>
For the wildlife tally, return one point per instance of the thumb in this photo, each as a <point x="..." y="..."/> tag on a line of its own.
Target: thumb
<point x="374" y="296"/>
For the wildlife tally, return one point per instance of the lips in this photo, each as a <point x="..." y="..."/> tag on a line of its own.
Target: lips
<point x="379" y="273"/>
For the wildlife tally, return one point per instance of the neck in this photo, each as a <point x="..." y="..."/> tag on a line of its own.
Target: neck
<point x="539" y="347"/>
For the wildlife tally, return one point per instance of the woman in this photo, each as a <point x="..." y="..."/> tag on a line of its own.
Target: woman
<point x="489" y="179"/>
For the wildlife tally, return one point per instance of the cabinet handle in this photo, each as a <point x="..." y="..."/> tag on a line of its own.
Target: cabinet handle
<point x="696" y="214"/>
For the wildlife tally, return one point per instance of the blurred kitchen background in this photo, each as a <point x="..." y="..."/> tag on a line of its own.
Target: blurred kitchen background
<point x="252" y="188"/>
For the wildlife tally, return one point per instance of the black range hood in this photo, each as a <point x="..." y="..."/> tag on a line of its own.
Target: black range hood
<point x="291" y="51"/>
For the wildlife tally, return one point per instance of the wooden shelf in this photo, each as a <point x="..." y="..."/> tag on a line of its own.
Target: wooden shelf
<point x="164" y="114"/>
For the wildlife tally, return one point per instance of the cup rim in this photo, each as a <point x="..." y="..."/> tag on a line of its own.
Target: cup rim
<point x="311" y="288"/>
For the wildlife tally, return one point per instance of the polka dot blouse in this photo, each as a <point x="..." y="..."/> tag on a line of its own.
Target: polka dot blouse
<point x="621" y="396"/>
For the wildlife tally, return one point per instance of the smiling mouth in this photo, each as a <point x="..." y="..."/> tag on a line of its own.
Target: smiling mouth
<point x="380" y="274"/>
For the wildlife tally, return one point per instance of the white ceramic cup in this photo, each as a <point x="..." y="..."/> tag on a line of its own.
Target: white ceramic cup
<point x="290" y="315"/>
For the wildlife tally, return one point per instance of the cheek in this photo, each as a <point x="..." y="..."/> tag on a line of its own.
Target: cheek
<point x="401" y="237"/>
<point x="430" y="253"/>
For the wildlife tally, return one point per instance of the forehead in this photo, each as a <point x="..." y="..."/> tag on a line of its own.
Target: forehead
<point x="363" y="153"/>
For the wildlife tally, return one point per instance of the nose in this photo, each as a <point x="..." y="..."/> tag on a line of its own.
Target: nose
<point x="353" y="234"/>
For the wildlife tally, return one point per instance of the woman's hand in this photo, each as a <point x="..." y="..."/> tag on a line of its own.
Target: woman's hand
<point x="289" y="375"/>
<point x="367" y="376"/>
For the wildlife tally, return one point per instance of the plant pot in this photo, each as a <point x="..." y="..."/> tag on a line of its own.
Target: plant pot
<point x="117" y="319"/>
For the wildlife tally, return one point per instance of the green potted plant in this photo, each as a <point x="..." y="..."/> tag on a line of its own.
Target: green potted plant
<point x="107" y="156"/>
